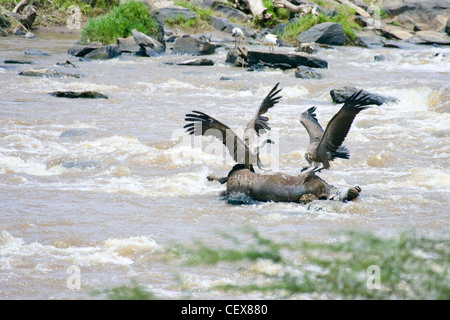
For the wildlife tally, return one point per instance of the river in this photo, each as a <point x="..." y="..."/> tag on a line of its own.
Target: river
<point x="102" y="185"/>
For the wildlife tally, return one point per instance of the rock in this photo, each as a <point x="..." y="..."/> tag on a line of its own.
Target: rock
<point x="176" y="11"/>
<point x="368" y="39"/>
<point x="225" y="25"/>
<point x="17" y="62"/>
<point x="341" y="95"/>
<point x="326" y="33"/>
<point x="190" y="45"/>
<point x="4" y="22"/>
<point x="82" y="50"/>
<point x="418" y="15"/>
<point x="430" y="37"/>
<point x="197" y="62"/>
<point x="309" y="48"/>
<point x="29" y="35"/>
<point x="66" y="63"/>
<point x="147" y="42"/>
<point x="28" y="16"/>
<point x="229" y="12"/>
<point x="447" y="27"/>
<point x="35" y="52"/>
<point x="79" y="95"/>
<point x="47" y="73"/>
<point x="394" y="32"/>
<point x="205" y="3"/>
<point x="104" y="52"/>
<point x="382" y="57"/>
<point x="292" y="59"/>
<point x="128" y="45"/>
<point x="19" y="32"/>
<point x="279" y="29"/>
<point x="303" y="72"/>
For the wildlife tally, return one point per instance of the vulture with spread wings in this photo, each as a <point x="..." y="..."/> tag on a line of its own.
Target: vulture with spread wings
<point x="325" y="146"/>
<point x="244" y="151"/>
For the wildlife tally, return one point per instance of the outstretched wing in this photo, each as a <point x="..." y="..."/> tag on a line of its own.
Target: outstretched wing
<point x="202" y="124"/>
<point x="259" y="123"/>
<point x="340" y="124"/>
<point x="309" y="121"/>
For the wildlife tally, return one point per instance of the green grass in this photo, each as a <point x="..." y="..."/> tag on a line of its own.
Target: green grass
<point x="200" y="23"/>
<point x="344" y="16"/>
<point x="118" y="23"/>
<point x="407" y="266"/>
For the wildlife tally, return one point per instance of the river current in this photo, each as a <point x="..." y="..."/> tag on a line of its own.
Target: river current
<point x="102" y="185"/>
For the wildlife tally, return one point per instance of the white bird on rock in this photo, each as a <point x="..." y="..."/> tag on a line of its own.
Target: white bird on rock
<point x="272" y="40"/>
<point x="238" y="34"/>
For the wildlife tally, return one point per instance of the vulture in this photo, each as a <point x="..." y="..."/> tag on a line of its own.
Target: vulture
<point x="325" y="146"/>
<point x="244" y="151"/>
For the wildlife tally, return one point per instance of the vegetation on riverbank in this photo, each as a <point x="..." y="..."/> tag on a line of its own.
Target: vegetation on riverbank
<point x="355" y="265"/>
<point x="119" y="22"/>
<point x="104" y="20"/>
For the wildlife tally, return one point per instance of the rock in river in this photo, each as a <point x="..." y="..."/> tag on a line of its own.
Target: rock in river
<point x="82" y="50"/>
<point x="292" y="59"/>
<point x="197" y="62"/>
<point x="79" y="95"/>
<point x="306" y="73"/>
<point x="341" y="95"/>
<point x="104" y="52"/>
<point x="47" y="73"/>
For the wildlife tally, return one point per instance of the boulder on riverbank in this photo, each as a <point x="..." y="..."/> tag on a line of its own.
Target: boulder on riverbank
<point x="326" y="33"/>
<point x="149" y="46"/>
<point x="193" y="46"/>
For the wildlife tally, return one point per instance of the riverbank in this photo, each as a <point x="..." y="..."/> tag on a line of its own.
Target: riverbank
<point x="355" y="22"/>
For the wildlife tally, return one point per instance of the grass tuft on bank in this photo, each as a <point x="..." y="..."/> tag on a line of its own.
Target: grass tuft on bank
<point x="119" y="22"/>
<point x="355" y="265"/>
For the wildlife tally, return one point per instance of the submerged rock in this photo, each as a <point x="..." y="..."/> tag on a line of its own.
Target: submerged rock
<point x="18" y="62"/>
<point x="47" y="73"/>
<point x="307" y="73"/>
<point x="36" y="52"/>
<point x="341" y="95"/>
<point x="79" y="95"/>
<point x="197" y="62"/>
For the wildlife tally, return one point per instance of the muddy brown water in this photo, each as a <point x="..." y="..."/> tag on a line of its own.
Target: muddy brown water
<point x="104" y="184"/>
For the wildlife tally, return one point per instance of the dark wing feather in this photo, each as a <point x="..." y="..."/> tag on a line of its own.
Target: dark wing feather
<point x="339" y="126"/>
<point x="309" y="121"/>
<point x="202" y="124"/>
<point x="259" y="123"/>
